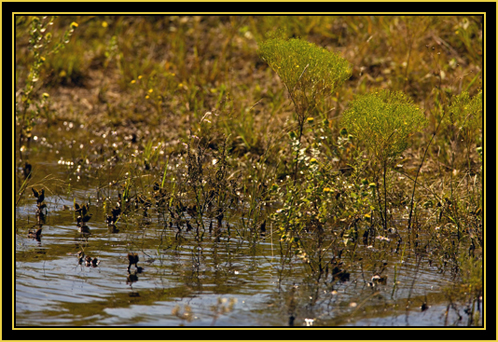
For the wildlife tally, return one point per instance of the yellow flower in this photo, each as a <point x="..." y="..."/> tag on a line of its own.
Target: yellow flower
<point x="74" y="25"/>
<point x="133" y="82"/>
<point x="105" y="24"/>
<point x="327" y="190"/>
<point x="151" y="90"/>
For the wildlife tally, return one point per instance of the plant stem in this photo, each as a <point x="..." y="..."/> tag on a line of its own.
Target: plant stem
<point x="418" y="171"/>
<point x="385" y="196"/>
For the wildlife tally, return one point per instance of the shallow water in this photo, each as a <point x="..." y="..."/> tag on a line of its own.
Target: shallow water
<point x="191" y="282"/>
<point x="225" y="283"/>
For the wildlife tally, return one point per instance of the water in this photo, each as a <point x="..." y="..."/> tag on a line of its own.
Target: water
<point x="187" y="281"/>
<point x="225" y="283"/>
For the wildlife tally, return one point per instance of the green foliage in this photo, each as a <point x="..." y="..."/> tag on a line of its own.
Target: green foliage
<point x="320" y="212"/>
<point x="309" y="73"/>
<point x="383" y="121"/>
<point x="305" y="210"/>
<point x="306" y="70"/>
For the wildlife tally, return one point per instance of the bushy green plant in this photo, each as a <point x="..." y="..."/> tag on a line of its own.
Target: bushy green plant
<point x="383" y="121"/>
<point x="305" y="67"/>
<point x="304" y="211"/>
<point x="310" y="73"/>
<point x="323" y="208"/>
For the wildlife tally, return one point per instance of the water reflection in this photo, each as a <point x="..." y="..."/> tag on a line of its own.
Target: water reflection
<point x="211" y="277"/>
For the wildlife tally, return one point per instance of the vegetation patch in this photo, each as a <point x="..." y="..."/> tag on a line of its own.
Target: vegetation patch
<point x="351" y="148"/>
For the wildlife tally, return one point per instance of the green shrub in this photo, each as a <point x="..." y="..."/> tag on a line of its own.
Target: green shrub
<point x="310" y="73"/>
<point x="383" y="121"/>
<point x="302" y="65"/>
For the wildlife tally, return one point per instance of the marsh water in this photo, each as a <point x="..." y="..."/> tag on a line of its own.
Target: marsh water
<point x="185" y="280"/>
